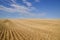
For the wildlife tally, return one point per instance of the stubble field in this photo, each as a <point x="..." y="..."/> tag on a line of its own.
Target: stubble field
<point x="29" y="29"/>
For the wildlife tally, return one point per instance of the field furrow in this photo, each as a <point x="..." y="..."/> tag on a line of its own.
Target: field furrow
<point x="29" y="29"/>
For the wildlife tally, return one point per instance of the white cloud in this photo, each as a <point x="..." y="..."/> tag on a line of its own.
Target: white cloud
<point x="13" y="1"/>
<point x="24" y="0"/>
<point x="22" y="10"/>
<point x="37" y="0"/>
<point x="17" y="8"/>
<point x="42" y="14"/>
<point x="29" y="4"/>
<point x="6" y="9"/>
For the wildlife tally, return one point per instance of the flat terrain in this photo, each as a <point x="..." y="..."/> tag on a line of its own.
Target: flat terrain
<point x="29" y="29"/>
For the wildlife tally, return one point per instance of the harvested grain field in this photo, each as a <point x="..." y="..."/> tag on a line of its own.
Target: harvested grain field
<point x="29" y="29"/>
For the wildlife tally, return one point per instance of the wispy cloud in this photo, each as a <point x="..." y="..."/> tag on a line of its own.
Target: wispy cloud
<point x="14" y="1"/>
<point x="37" y="0"/>
<point x="22" y="10"/>
<point x="29" y="4"/>
<point x="17" y="8"/>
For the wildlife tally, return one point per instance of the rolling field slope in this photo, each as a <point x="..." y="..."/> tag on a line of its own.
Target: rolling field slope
<point x="29" y="29"/>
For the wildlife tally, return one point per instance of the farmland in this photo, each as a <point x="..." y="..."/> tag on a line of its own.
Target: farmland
<point x="29" y="29"/>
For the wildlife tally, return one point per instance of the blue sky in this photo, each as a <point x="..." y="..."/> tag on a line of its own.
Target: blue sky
<point x="30" y="9"/>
